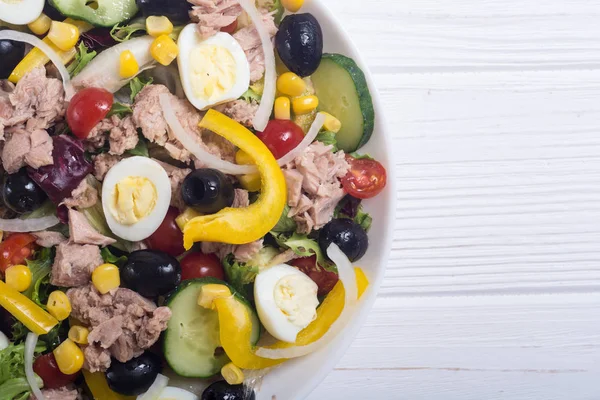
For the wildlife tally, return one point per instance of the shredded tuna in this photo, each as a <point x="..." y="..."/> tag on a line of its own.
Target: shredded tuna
<point x="96" y="359"/>
<point x="83" y="196"/>
<point x="82" y="232"/>
<point x="314" y="189"/>
<point x="250" y="41"/>
<point x="74" y="264"/>
<point x="176" y="176"/>
<point x="102" y="163"/>
<point x="212" y="15"/>
<point x="120" y="133"/>
<point x="49" y="239"/>
<point x="27" y="148"/>
<point x="240" y="111"/>
<point x="63" y="393"/>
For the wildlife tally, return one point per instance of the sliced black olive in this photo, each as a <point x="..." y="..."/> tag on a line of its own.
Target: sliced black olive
<point x="135" y="376"/>
<point x="151" y="273"/>
<point x="222" y="390"/>
<point x="175" y="10"/>
<point x="207" y="190"/>
<point x="11" y="54"/>
<point x="348" y="235"/>
<point x="299" y="43"/>
<point x="21" y="194"/>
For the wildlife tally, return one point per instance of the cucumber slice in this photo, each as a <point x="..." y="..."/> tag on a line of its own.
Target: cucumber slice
<point x="343" y="92"/>
<point x="192" y="335"/>
<point x="108" y="13"/>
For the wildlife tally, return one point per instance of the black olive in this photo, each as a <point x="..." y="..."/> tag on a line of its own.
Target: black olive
<point x="21" y="194"/>
<point x="299" y="43"/>
<point x="151" y="273"/>
<point x="207" y="190"/>
<point x="175" y="10"/>
<point x="348" y="235"/>
<point x="135" y="376"/>
<point x="222" y="390"/>
<point x="11" y="54"/>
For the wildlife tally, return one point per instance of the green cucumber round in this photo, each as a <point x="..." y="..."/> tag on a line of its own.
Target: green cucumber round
<point x="192" y="335"/>
<point x="108" y="13"/>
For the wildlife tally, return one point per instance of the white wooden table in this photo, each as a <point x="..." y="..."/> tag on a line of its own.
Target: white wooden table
<point x="493" y="288"/>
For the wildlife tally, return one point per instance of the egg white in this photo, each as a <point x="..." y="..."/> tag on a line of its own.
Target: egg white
<point x="173" y="393"/>
<point x="20" y="12"/>
<point x="188" y="40"/>
<point x="273" y="319"/>
<point x="141" y="167"/>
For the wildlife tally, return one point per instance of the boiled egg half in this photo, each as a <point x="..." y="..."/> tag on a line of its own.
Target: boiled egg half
<point x="136" y="194"/>
<point x="212" y="71"/>
<point x="173" y="393"/>
<point x="286" y="301"/>
<point x="20" y="12"/>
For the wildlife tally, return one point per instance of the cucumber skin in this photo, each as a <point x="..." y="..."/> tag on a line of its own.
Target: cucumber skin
<point x="96" y="23"/>
<point x="362" y="89"/>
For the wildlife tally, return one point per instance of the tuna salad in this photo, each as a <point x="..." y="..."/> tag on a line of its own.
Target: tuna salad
<point x="182" y="193"/>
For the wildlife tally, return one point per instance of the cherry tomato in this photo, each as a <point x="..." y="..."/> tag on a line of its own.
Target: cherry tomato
<point x="200" y="265"/>
<point x="87" y="108"/>
<point x="168" y="237"/>
<point x="281" y="136"/>
<point x="16" y="249"/>
<point x="366" y="178"/>
<point x="324" y="279"/>
<point x="231" y="28"/>
<point x="47" y="369"/>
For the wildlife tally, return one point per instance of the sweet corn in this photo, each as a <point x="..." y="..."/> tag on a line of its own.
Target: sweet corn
<point x="128" y="65"/>
<point x="232" y="374"/>
<point x="69" y="357"/>
<point x="305" y="104"/>
<point x="106" y="278"/>
<point x="292" y="5"/>
<point x="59" y="305"/>
<point x="331" y="124"/>
<point x="41" y="25"/>
<point x="18" y="277"/>
<point x="185" y="217"/>
<point x="79" y="334"/>
<point x="156" y="26"/>
<point x="63" y="35"/>
<point x="250" y="182"/>
<point x="210" y="292"/>
<point x="164" y="50"/>
<point x="282" y="108"/>
<point x="291" y="84"/>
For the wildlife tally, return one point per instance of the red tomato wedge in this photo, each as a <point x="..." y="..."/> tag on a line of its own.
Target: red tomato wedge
<point x="87" y="108"/>
<point x="366" y="178"/>
<point x="16" y="249"/>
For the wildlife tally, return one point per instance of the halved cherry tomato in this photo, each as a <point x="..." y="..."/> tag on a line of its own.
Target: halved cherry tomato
<point x="16" y="249"/>
<point x="366" y="178"/>
<point x="46" y="368"/>
<point x="168" y="237"/>
<point x="231" y="28"/>
<point x="324" y="279"/>
<point x="87" y="108"/>
<point x="200" y="265"/>
<point x="281" y="136"/>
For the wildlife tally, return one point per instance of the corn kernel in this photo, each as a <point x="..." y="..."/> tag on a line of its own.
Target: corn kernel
<point x="106" y="278"/>
<point x="79" y="334"/>
<point x="63" y="35"/>
<point x="186" y="217"/>
<point x="69" y="357"/>
<point x="282" y="108"/>
<point x="331" y="124"/>
<point x="250" y="182"/>
<point x="210" y="292"/>
<point x="156" y="26"/>
<point x="128" y="65"/>
<point x="18" y="277"/>
<point x="292" y="5"/>
<point x="164" y="50"/>
<point x="291" y="84"/>
<point x="59" y="305"/>
<point x="305" y="104"/>
<point x="232" y="374"/>
<point x="41" y="25"/>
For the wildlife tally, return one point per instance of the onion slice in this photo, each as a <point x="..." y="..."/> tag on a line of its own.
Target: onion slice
<point x="30" y="344"/>
<point x="55" y="58"/>
<point x="348" y="279"/>
<point x="308" y="139"/>
<point x="154" y="391"/>
<point x="261" y="119"/>
<point x="28" y="225"/>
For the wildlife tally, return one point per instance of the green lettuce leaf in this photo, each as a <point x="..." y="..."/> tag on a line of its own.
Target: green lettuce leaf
<point x="18" y="388"/>
<point x="137" y="84"/>
<point x="110" y="258"/>
<point x="120" y="110"/>
<point x="361" y="156"/>
<point x="328" y="138"/>
<point x="301" y="245"/>
<point x="82" y="58"/>
<point x="250" y="95"/>
<point x="285" y="224"/>
<point x="242" y="275"/>
<point x="141" y="149"/>
<point x="40" y="268"/>
<point x="12" y="361"/>
<point x="122" y="33"/>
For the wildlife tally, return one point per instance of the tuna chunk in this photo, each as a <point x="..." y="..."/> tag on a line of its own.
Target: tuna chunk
<point x="74" y="264"/>
<point x="176" y="176"/>
<point x="107" y="333"/>
<point x="82" y="232"/>
<point x="83" y="196"/>
<point x="102" y="163"/>
<point x="63" y="393"/>
<point x="121" y="134"/>
<point x="153" y="326"/>
<point x="240" y="111"/>
<point x="49" y="239"/>
<point x="293" y="179"/>
<point x="25" y="148"/>
<point x="249" y="39"/>
<point x="212" y="15"/>
<point x="96" y="359"/>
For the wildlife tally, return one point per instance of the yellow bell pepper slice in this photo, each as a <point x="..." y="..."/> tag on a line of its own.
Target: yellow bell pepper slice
<point x="36" y="58"/>
<point x="99" y="387"/>
<point x="26" y="311"/>
<point x="241" y="225"/>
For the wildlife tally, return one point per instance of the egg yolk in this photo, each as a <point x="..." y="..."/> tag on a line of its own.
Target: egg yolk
<point x="296" y="298"/>
<point x="134" y="198"/>
<point x="213" y="71"/>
